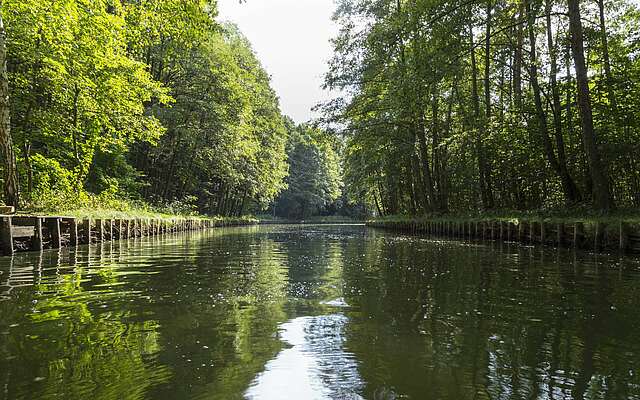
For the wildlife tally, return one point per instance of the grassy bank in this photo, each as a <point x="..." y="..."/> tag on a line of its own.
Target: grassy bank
<point x="101" y="207"/>
<point x="629" y="216"/>
<point x="614" y="231"/>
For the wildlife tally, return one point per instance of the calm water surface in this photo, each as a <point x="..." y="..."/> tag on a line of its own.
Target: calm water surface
<point x="318" y="312"/>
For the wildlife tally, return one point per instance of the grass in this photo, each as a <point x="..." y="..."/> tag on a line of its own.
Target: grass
<point x="97" y="207"/>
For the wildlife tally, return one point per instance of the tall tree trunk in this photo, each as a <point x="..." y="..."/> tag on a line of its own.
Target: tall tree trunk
<point x="475" y="100"/>
<point x="418" y="183"/>
<point x="487" y="103"/>
<point x="426" y="169"/>
<point x="435" y="148"/>
<point x="569" y="94"/>
<point x="11" y="195"/>
<point x="427" y="177"/>
<point x="606" y="59"/>
<point x="517" y="61"/>
<point x="375" y="199"/>
<point x="601" y="195"/>
<point x="571" y="192"/>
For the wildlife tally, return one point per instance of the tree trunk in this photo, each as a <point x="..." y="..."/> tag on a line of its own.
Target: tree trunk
<point x="427" y="177"/>
<point x="558" y="164"/>
<point x="426" y="170"/>
<point x="489" y="203"/>
<point x="435" y="148"/>
<point x="11" y="195"/>
<point x="475" y="99"/>
<point x="606" y="59"/>
<point x="375" y="200"/>
<point x="418" y="183"/>
<point x="517" y="62"/>
<point x="601" y="195"/>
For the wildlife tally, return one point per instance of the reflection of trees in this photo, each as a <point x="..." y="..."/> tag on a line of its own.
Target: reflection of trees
<point x="61" y="345"/>
<point x="315" y="261"/>
<point x="128" y="321"/>
<point x="427" y="319"/>
<point x="450" y="321"/>
<point x="218" y="315"/>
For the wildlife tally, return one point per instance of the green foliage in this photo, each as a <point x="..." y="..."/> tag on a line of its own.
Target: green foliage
<point x="438" y="118"/>
<point x="315" y="178"/>
<point x="75" y="90"/>
<point x="149" y="100"/>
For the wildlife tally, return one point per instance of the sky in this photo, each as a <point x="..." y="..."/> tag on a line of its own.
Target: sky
<point x="291" y="39"/>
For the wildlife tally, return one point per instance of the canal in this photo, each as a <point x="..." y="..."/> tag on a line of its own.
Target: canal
<point x="318" y="312"/>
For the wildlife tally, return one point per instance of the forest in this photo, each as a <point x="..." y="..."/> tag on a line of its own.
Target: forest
<point x="443" y="106"/>
<point x="114" y="103"/>
<point x="455" y="106"/>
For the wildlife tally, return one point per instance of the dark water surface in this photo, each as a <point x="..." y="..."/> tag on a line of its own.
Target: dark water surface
<point x="318" y="312"/>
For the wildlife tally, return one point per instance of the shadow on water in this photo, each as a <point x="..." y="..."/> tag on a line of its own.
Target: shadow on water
<point x="317" y="312"/>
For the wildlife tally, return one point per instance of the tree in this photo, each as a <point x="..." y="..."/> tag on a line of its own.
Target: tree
<point x="314" y="179"/>
<point x="506" y="118"/>
<point x="601" y="193"/>
<point x="6" y="140"/>
<point x="149" y="100"/>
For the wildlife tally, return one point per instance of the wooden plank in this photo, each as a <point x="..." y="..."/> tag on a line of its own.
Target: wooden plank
<point x="23" y="221"/>
<point x="22" y="231"/>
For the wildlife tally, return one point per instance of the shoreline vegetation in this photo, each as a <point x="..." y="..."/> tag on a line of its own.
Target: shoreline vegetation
<point x="116" y="110"/>
<point x="618" y="231"/>
<point x="148" y="108"/>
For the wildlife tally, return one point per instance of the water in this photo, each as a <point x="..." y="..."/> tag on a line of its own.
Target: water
<point x="318" y="312"/>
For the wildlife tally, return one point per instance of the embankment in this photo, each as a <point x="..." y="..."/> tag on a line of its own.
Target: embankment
<point x="609" y="235"/>
<point x="35" y="233"/>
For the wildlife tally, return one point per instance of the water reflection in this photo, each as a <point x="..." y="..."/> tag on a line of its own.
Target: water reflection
<point x="315" y="366"/>
<point x="341" y="312"/>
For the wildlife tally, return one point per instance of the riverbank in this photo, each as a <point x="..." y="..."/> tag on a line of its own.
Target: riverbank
<point x="617" y="232"/>
<point x="269" y="220"/>
<point x="23" y="232"/>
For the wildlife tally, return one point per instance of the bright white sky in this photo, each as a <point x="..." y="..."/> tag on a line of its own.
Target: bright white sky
<point x="291" y="39"/>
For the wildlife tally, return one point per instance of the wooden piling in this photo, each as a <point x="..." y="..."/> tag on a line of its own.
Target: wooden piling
<point x="100" y="228"/>
<point x="73" y="231"/>
<point x="6" y="236"/>
<point x="37" y="244"/>
<point x="598" y="236"/>
<point x="86" y="229"/>
<point x="136" y="227"/>
<point x="623" y="238"/>
<point x="520" y="232"/>
<point x="55" y="236"/>
<point x="560" y="234"/>
<point x="578" y="232"/>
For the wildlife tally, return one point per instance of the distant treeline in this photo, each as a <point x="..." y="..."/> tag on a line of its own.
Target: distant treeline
<point x="148" y="100"/>
<point x="458" y="105"/>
